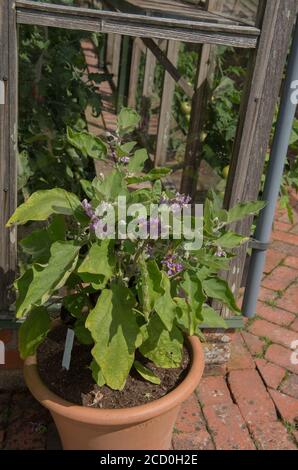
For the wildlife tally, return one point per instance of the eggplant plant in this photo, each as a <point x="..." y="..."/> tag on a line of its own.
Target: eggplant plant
<point x="130" y="283"/>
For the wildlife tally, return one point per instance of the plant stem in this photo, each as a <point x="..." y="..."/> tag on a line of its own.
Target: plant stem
<point x="145" y="286"/>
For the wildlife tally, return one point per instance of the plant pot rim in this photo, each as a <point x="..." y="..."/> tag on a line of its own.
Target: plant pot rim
<point x="120" y="416"/>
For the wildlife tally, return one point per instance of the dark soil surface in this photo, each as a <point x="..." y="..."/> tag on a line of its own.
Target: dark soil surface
<point x="77" y="384"/>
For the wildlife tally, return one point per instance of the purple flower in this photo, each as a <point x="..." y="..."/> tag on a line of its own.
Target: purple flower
<point x="182" y="200"/>
<point x="149" y="251"/>
<point x="93" y="223"/>
<point x="220" y="253"/>
<point x="88" y="208"/>
<point x="171" y="265"/>
<point x="125" y="160"/>
<point x="179" y="201"/>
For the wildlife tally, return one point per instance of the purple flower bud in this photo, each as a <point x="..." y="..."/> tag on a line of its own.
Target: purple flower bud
<point x="125" y="160"/>
<point x="88" y="208"/>
<point x="220" y="253"/>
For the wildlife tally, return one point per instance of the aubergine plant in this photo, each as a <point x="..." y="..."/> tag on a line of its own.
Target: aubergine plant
<point x="124" y="294"/>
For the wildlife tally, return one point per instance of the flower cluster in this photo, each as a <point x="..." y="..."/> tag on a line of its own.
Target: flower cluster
<point x="176" y="203"/>
<point x="97" y="225"/>
<point x="172" y="265"/>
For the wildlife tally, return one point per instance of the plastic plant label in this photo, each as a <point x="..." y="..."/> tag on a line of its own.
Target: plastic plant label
<point x="2" y="92"/>
<point x="68" y="349"/>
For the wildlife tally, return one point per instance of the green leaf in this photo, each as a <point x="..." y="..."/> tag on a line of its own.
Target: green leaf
<point x="161" y="346"/>
<point x="164" y="305"/>
<point x="112" y="186"/>
<point x="83" y="335"/>
<point x="39" y="242"/>
<point x="88" y="188"/>
<point x="127" y="147"/>
<point x="99" y="264"/>
<point x="213" y="263"/>
<point x="230" y="240"/>
<point x="33" y="331"/>
<point x="212" y="319"/>
<point x="153" y="281"/>
<point x="153" y="175"/>
<point x="241" y="211"/>
<point x="192" y="287"/>
<point x="88" y="144"/>
<point x="75" y="303"/>
<point x="114" y="328"/>
<point x="136" y="164"/>
<point x="146" y="373"/>
<point x="42" y="204"/>
<point x="97" y="374"/>
<point x="186" y="318"/>
<point x="24" y="169"/>
<point x="127" y="121"/>
<point x="218" y="289"/>
<point x="37" y="284"/>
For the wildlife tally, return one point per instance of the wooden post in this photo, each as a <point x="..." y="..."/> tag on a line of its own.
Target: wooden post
<point x="134" y="73"/>
<point x="256" y="116"/>
<point x="8" y="148"/>
<point x="113" y="51"/>
<point x="109" y="51"/>
<point x="123" y="75"/>
<point x="116" y="58"/>
<point x="199" y="103"/>
<point x="163" y="132"/>
<point x="147" y="90"/>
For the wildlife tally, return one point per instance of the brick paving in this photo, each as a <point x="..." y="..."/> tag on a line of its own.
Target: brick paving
<point x="251" y="403"/>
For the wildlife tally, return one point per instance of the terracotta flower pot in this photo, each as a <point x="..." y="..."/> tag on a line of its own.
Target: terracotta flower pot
<point x="142" y="427"/>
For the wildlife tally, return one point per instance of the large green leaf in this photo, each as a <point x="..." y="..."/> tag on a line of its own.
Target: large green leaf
<point x="136" y="164"/>
<point x="161" y="346"/>
<point x="112" y="186"/>
<point x="230" y="240"/>
<point x="33" y="331"/>
<point x="98" y="266"/>
<point x="146" y="373"/>
<point x="127" y="121"/>
<point x="243" y="210"/>
<point x="96" y="373"/>
<point x="192" y="287"/>
<point x="88" y="144"/>
<point x="114" y="328"/>
<point x="38" y="283"/>
<point x="218" y="289"/>
<point x="213" y="263"/>
<point x="212" y="319"/>
<point x="153" y="281"/>
<point x="186" y="317"/>
<point x="164" y="305"/>
<point x="82" y="333"/>
<point x="39" y="242"/>
<point x="44" y="203"/>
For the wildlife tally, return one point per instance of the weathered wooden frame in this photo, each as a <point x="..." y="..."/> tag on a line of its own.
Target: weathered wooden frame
<point x="269" y="39"/>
